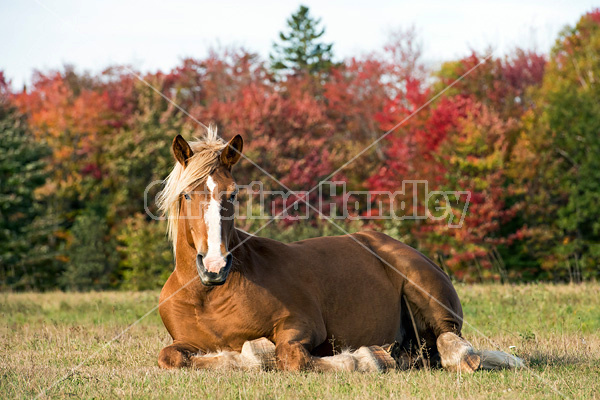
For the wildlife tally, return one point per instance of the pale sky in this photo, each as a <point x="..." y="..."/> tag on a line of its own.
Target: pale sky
<point x="151" y="35"/>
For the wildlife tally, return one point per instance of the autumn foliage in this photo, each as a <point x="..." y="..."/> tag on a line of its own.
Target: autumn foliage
<point x="519" y="133"/>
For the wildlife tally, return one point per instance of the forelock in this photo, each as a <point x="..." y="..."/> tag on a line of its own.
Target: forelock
<point x="205" y="160"/>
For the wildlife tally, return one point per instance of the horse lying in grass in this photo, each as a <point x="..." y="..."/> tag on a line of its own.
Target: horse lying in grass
<point x="244" y="302"/>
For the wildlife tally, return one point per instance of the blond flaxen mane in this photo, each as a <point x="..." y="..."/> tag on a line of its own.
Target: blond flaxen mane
<point x="205" y="159"/>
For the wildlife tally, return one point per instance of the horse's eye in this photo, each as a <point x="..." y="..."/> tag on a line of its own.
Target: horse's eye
<point x="232" y="196"/>
<point x="187" y="196"/>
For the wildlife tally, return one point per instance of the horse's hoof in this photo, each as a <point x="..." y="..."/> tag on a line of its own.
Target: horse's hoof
<point x="171" y="357"/>
<point x="457" y="354"/>
<point x="469" y="362"/>
<point x="259" y="354"/>
<point x="374" y="359"/>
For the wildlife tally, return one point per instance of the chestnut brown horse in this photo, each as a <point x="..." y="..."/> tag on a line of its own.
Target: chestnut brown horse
<point x="239" y="301"/>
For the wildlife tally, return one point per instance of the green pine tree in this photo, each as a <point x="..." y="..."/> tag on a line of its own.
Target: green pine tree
<point x="22" y="171"/>
<point x="92" y="253"/>
<point x="299" y="50"/>
<point x="146" y="255"/>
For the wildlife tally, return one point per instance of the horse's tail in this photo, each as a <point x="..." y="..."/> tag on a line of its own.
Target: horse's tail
<point x="491" y="359"/>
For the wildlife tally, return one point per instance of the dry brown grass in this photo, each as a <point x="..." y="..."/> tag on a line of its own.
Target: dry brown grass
<point x="43" y="336"/>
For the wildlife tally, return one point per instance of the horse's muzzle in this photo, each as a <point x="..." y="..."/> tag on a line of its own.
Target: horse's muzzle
<point x="213" y="278"/>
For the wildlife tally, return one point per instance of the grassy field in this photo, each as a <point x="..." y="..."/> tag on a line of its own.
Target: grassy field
<point x="556" y="329"/>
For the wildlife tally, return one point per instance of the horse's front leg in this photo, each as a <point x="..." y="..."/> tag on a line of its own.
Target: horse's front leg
<point x="176" y="355"/>
<point x="293" y="354"/>
<point x="256" y="354"/>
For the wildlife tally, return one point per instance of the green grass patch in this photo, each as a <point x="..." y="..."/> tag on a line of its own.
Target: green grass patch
<point x="44" y="336"/>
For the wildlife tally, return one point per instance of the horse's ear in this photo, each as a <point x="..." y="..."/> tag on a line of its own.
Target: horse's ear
<point x="232" y="152"/>
<point x="181" y="150"/>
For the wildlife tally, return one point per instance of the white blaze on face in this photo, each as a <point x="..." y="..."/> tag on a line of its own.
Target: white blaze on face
<point x="213" y="261"/>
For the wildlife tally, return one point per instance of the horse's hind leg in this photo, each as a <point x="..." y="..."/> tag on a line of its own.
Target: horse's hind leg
<point x="457" y="354"/>
<point x="255" y="355"/>
<point x="431" y="303"/>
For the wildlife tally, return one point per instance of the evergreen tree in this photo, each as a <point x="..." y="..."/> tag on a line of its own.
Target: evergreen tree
<point x="300" y="50"/>
<point x="92" y="254"/>
<point x="22" y="171"/>
<point x="146" y="256"/>
<point x="44" y="261"/>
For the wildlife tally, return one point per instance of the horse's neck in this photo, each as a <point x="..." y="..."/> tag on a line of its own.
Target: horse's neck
<point x="239" y="240"/>
<point x="238" y="245"/>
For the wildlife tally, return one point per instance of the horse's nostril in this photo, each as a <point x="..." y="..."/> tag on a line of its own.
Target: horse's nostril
<point x="213" y="264"/>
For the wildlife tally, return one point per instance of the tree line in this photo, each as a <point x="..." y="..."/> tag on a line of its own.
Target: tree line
<point x="520" y="132"/>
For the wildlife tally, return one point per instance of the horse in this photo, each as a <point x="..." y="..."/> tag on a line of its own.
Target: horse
<point x="239" y="301"/>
